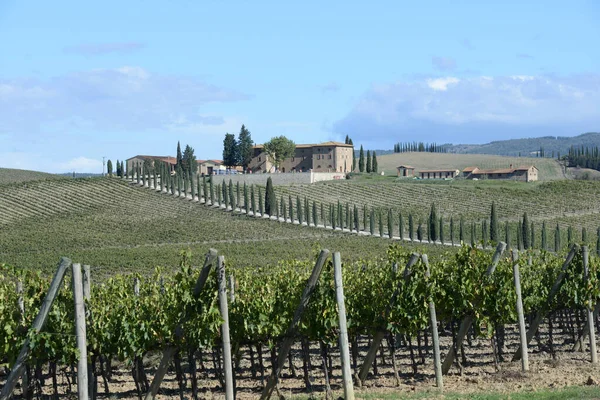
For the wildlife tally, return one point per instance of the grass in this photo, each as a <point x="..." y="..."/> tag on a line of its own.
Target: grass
<point x="9" y="175"/>
<point x="549" y="169"/>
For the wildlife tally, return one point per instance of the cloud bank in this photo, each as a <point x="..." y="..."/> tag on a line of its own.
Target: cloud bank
<point x="475" y="109"/>
<point x="126" y="98"/>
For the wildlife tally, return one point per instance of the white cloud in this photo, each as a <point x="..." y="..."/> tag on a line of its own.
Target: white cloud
<point x="441" y="83"/>
<point x="478" y="108"/>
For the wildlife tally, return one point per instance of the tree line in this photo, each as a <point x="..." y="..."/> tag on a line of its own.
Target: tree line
<point x="406" y="147"/>
<point x="585" y="157"/>
<point x="371" y="161"/>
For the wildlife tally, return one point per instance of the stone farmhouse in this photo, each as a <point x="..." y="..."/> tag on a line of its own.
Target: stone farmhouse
<point x="322" y="157"/>
<point x="205" y="167"/>
<point x="527" y="173"/>
<point x="405" y="171"/>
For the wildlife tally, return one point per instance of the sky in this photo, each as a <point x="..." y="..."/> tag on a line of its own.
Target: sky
<point x="80" y="81"/>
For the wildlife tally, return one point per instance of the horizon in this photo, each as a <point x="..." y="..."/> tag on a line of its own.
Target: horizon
<point x="87" y="81"/>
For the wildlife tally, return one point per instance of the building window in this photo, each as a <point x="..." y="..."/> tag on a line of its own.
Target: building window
<point x="318" y="166"/>
<point x="330" y="156"/>
<point x="258" y="158"/>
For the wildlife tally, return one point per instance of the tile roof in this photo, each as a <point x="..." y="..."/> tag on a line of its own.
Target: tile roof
<point x="438" y="170"/>
<point x="405" y="167"/>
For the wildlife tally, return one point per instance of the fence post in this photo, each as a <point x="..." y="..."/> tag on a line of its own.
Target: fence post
<point x="38" y="324"/>
<point x="522" y="330"/>
<point x="82" y="365"/>
<point x="344" y="351"/>
<point x="589" y="309"/>
<point x="227" y="366"/>
<point x="437" y="357"/>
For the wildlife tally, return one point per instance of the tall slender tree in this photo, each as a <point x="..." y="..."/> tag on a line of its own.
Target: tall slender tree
<point x="369" y="162"/>
<point x="109" y="168"/>
<point x="411" y="227"/>
<point x="557" y="239"/>
<point x="374" y="166"/>
<point x="526" y="234"/>
<point x="230" y="151"/>
<point x="179" y="156"/>
<point x="244" y="147"/>
<point x="544" y="237"/>
<point x="361" y="160"/>
<point x="432" y="226"/>
<point x="401" y="227"/>
<point x="270" y="198"/>
<point x="494" y="224"/>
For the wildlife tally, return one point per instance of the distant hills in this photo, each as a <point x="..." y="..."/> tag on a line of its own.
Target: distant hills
<point x="530" y="146"/>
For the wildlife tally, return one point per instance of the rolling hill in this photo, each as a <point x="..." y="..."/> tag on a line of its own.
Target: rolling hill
<point x="9" y="175"/>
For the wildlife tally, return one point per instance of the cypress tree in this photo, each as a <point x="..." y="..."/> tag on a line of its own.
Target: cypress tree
<point x="364" y="217"/>
<point x="372" y="222"/>
<point x="420" y="232"/>
<point x="340" y="216"/>
<point x="315" y="214"/>
<point x="348" y="217"/>
<point x="284" y="209"/>
<point x="299" y="210"/>
<point x="525" y="234"/>
<point x="270" y="199"/>
<point x="291" y="207"/>
<point x="532" y="241"/>
<point x="323" y="215"/>
<point x="191" y="185"/>
<point x="484" y="234"/>
<point x="507" y="235"/>
<point x="261" y="205"/>
<point x="432" y="226"/>
<point x="238" y="203"/>
<point x="154" y="178"/>
<point x="473" y="238"/>
<point x="400" y="227"/>
<point x="246" y="202"/>
<point x="225" y="196"/>
<point x="184" y="180"/>
<point x="277" y="210"/>
<point x="494" y="224"/>
<point x="199" y="186"/>
<point x="557" y="239"/>
<point x="307" y="210"/>
<point x="231" y="196"/>
<point x="441" y="230"/>
<point x="520" y="236"/>
<point x="172" y="180"/>
<point x="380" y="215"/>
<point x="212" y="193"/>
<point x="356" y="222"/>
<point x="461" y="230"/>
<point x="411" y="227"/>
<point x="544" y="237"/>
<point x="361" y="160"/>
<point x="369" y="164"/>
<point x="332" y="215"/>
<point x="374" y="163"/>
<point x="452" y="230"/>
<point x="570" y="235"/>
<point x="584" y="235"/>
<point x="353" y="161"/>
<point x="144" y="174"/>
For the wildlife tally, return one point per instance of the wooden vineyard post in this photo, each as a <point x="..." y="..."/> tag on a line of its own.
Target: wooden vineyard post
<point x="586" y="330"/>
<point x="379" y="334"/>
<point x="344" y="350"/>
<point x="286" y="344"/>
<point x="227" y="365"/>
<point x="468" y="320"/>
<point x="82" y="365"/>
<point x="589" y="310"/>
<point x="36" y="327"/>
<point x="170" y="351"/>
<point x="541" y="314"/>
<point x="522" y="330"/>
<point x="437" y="358"/>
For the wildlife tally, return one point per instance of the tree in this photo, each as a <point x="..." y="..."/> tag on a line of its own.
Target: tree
<point x="369" y="164"/>
<point x="401" y="227"/>
<point x="390" y="223"/>
<point x="278" y="149"/>
<point x="179" y="156"/>
<point x="109" y="168"/>
<point x="189" y="160"/>
<point x="270" y="199"/>
<point x="244" y="147"/>
<point x="494" y="224"/>
<point x="433" y="223"/>
<point x="361" y="160"/>
<point x="526" y="234"/>
<point x="411" y="227"/>
<point x="374" y="163"/>
<point x="347" y="141"/>
<point x="461" y="230"/>
<point x="230" y="150"/>
<point x="544" y="237"/>
<point x="557" y="238"/>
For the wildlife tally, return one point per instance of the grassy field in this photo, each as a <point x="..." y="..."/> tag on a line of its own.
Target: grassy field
<point x="110" y="224"/>
<point x="549" y="169"/>
<point x="8" y="175"/>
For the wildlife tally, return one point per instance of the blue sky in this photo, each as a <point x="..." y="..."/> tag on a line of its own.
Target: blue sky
<point x="83" y="80"/>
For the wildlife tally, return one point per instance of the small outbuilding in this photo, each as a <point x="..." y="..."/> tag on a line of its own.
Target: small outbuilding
<point x="405" y="171"/>
<point x="439" y="174"/>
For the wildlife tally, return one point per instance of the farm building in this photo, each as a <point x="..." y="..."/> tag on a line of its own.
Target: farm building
<point x="138" y="160"/>
<point x="205" y="167"/>
<point x="528" y="173"/>
<point x="439" y="174"/>
<point x="322" y="157"/>
<point x="405" y="170"/>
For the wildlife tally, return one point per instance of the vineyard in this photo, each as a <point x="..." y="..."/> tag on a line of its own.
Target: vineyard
<point x="133" y="322"/>
<point x="9" y="175"/>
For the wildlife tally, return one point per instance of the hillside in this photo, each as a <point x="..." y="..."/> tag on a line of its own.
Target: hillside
<point x="549" y="169"/>
<point x="9" y="175"/>
<point x="529" y="146"/>
<point x="110" y="223"/>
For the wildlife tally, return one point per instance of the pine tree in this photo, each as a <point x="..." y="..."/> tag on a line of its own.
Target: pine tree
<point x="307" y="210"/>
<point x="323" y="215"/>
<point x="332" y="216"/>
<point x="526" y="234"/>
<point x="432" y="226"/>
<point x="193" y="189"/>
<point x="348" y="217"/>
<point x="361" y="160"/>
<point x="238" y="203"/>
<point x="122" y="170"/>
<point x="598" y="242"/>
<point x="230" y="150"/>
<point x="244" y="148"/>
<point x="494" y="224"/>
<point x="369" y="162"/>
<point x="374" y="163"/>
<point x="270" y="199"/>
<point x="411" y="227"/>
